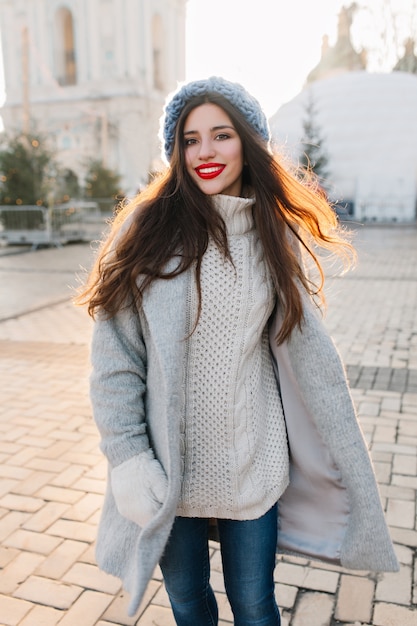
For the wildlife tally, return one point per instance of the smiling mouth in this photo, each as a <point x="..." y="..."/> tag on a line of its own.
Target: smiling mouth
<point x="210" y="170"/>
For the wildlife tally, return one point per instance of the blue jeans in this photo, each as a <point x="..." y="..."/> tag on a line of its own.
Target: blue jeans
<point x="248" y="557"/>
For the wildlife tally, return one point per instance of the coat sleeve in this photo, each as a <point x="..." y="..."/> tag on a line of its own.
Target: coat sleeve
<point x="118" y="385"/>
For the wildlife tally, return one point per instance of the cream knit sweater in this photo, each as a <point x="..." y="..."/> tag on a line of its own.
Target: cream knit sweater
<point x="233" y="436"/>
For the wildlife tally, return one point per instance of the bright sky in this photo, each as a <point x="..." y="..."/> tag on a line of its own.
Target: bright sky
<point x="271" y="45"/>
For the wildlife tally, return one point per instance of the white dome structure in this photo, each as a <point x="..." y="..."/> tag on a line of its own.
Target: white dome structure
<point x="368" y="123"/>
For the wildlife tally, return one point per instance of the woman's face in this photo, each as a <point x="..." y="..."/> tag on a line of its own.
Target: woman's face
<point x="213" y="151"/>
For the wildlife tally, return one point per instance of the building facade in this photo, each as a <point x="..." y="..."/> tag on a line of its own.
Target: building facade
<point x="368" y="127"/>
<point x="342" y="57"/>
<point x="93" y="75"/>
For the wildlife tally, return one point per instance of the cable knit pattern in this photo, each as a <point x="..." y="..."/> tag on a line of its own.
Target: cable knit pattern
<point x="234" y="440"/>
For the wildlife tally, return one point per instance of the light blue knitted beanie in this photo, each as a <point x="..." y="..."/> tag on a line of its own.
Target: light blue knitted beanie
<point x="235" y="93"/>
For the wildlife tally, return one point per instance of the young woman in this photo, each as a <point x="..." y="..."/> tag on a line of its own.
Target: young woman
<point x="217" y="392"/>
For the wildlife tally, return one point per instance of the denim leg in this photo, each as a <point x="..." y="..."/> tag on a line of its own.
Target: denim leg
<point x="185" y="566"/>
<point x="248" y="555"/>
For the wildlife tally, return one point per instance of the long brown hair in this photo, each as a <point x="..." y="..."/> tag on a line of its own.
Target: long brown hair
<point x="174" y="218"/>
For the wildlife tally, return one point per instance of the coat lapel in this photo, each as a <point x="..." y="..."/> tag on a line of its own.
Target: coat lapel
<point x="165" y="307"/>
<point x="332" y="509"/>
<point x="313" y="510"/>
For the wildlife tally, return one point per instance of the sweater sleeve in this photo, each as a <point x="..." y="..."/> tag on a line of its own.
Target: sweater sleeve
<point x="118" y="385"/>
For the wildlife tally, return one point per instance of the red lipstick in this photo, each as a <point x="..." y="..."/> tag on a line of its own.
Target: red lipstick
<point x="209" y="170"/>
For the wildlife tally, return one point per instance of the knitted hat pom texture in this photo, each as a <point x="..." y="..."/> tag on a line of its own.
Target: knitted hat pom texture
<point x="235" y="93"/>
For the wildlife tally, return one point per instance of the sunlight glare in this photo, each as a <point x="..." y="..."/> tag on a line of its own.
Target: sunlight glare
<point x="271" y="46"/>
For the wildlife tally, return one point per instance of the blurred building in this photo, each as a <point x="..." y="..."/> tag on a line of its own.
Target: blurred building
<point x="94" y="75"/>
<point x="342" y="57"/>
<point x="368" y="125"/>
<point x="408" y="62"/>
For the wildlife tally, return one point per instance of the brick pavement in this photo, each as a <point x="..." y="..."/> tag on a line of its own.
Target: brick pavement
<point x="52" y="474"/>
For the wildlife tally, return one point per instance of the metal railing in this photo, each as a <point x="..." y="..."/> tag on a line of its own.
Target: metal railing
<point x="58" y="225"/>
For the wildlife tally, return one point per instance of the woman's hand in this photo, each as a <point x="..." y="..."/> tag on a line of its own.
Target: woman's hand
<point x="139" y="487"/>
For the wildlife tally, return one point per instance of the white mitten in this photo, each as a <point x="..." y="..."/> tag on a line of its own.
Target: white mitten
<point x="139" y="487"/>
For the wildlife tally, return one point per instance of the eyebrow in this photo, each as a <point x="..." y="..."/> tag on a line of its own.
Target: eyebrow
<point x="220" y="127"/>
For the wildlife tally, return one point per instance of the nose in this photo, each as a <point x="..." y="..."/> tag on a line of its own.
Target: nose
<point x="207" y="149"/>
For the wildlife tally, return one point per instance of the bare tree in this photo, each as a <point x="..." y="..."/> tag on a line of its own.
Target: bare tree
<point x="382" y="27"/>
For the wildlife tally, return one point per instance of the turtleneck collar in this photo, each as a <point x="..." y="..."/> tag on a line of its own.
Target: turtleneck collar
<point x="236" y="213"/>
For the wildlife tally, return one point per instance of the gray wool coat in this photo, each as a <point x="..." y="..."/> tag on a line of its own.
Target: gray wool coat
<point x="331" y="509"/>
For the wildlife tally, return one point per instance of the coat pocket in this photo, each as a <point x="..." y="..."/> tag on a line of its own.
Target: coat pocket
<point x="139" y="487"/>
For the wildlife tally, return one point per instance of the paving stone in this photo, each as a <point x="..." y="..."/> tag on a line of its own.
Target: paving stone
<point x="217" y="581"/>
<point x="156" y="615"/>
<point x="404" y="554"/>
<point x="90" y="485"/>
<point x="369" y="408"/>
<point x="90" y="577"/>
<point x="42" y="616"/>
<point x="22" y="457"/>
<point x="84" y="508"/>
<point x="225" y="612"/>
<point x="290" y="574"/>
<point x="94" y="519"/>
<point x="395" y="448"/>
<point x="397" y="493"/>
<point x="21" y="503"/>
<point x="59" y="494"/>
<point x="385" y="433"/>
<point x="36" y="442"/>
<point x="52" y="466"/>
<point x="161" y="597"/>
<point x="10" y="522"/>
<point x="396" y="587"/>
<point x="313" y="609"/>
<point x="82" y="458"/>
<point x="383" y="472"/>
<point x="406" y="439"/>
<point x="394" y="615"/>
<point x="6" y="485"/>
<point x="285" y="595"/>
<point x="69" y="475"/>
<point x="116" y="613"/>
<point x="55" y="450"/>
<point x="65" y="435"/>
<point x="391" y="404"/>
<point x="285" y="619"/>
<point x="405" y="464"/>
<point x="79" y="531"/>
<point x="7" y="555"/>
<point x="43" y="518"/>
<point x="13" y="610"/>
<point x="404" y="536"/>
<point x="401" y="513"/>
<point x="355" y="599"/>
<point x="408" y="428"/>
<point x="48" y="592"/>
<point x="32" y="542"/>
<point x="14" y="434"/>
<point x="321" y="580"/>
<point x="61" y="559"/>
<point x="18" y="570"/>
<point x="88" y="443"/>
<point x="89" y="555"/>
<point x="87" y="609"/>
<point x="10" y="471"/>
<point x="404" y="481"/>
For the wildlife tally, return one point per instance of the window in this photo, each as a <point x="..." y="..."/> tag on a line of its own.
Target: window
<point x="157" y="50"/>
<point x="64" y="52"/>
